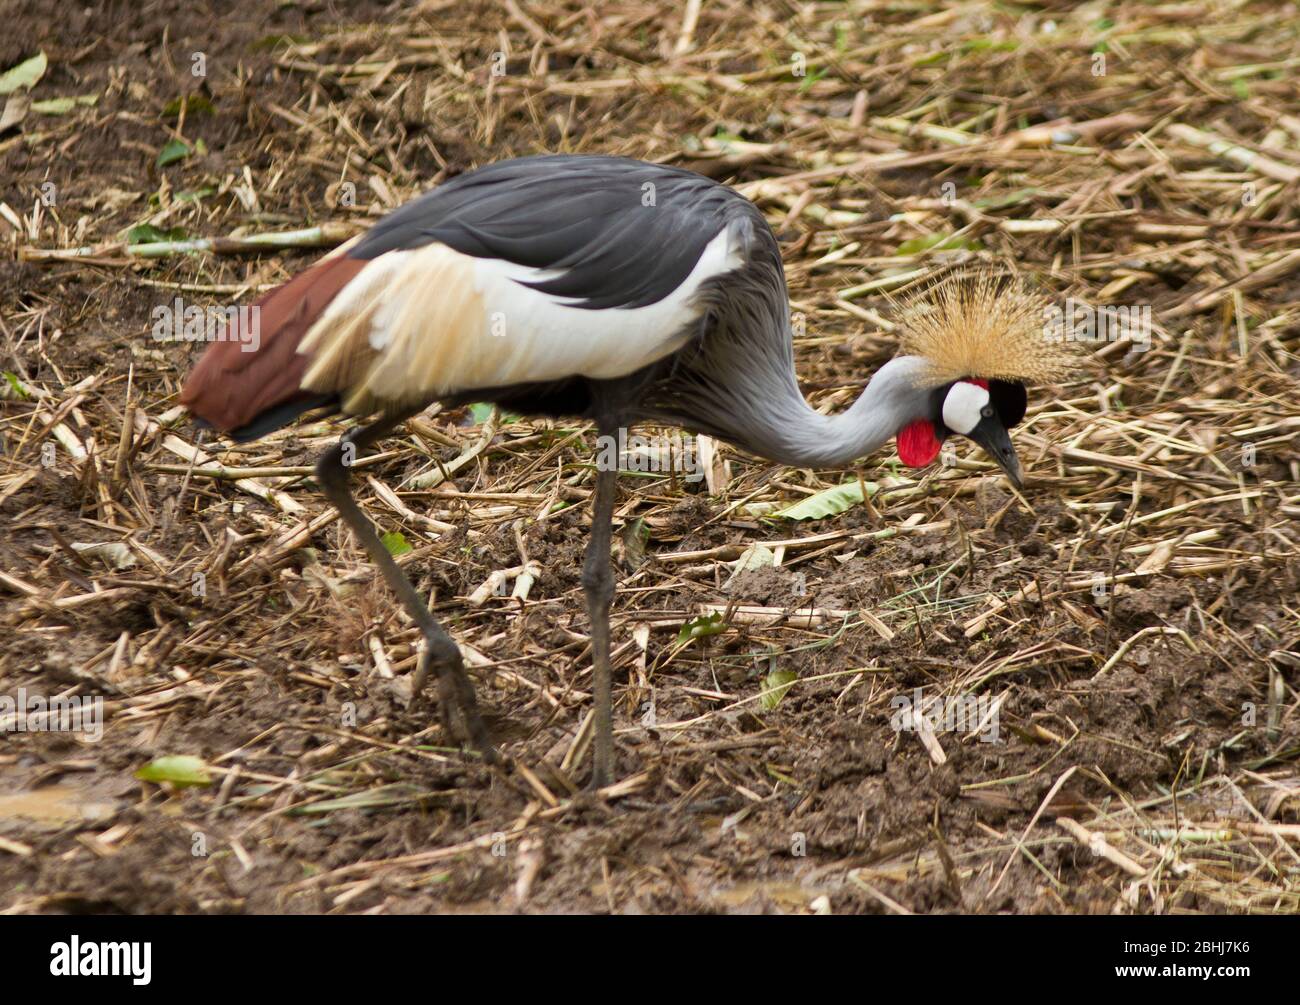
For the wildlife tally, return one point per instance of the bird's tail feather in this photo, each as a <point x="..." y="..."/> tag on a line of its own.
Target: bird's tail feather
<point x="250" y="382"/>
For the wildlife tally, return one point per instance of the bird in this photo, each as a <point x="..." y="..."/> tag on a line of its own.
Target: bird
<point x="612" y="290"/>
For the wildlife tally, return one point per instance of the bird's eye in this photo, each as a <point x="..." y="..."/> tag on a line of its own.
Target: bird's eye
<point x="987" y="411"/>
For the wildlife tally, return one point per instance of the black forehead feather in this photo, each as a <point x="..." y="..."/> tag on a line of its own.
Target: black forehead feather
<point x="1009" y="400"/>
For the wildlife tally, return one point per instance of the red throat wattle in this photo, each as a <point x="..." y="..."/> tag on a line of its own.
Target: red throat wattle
<point x="917" y="444"/>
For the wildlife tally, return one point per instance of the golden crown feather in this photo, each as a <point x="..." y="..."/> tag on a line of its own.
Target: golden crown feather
<point x="984" y="325"/>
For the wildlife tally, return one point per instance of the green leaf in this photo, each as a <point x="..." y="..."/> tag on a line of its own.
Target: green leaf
<point x="702" y="627"/>
<point x="25" y="74"/>
<point x="54" y="106"/>
<point x="756" y="556"/>
<point x="175" y="150"/>
<point x="1002" y="201"/>
<point x="274" y="41"/>
<point x="62" y="106"/>
<point x="775" y="685"/>
<point x="193" y="195"/>
<point x="396" y="543"/>
<point x="938" y="242"/>
<point x="480" y="410"/>
<point x="194" y="104"/>
<point x="929" y="59"/>
<point x="179" y="769"/>
<point x="15" y="385"/>
<point x="781" y="776"/>
<point x="811" y="79"/>
<point x="147" y="233"/>
<point x="830" y="502"/>
<point x="987" y="44"/>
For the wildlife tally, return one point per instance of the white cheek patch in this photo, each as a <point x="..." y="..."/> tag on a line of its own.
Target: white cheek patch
<point x="962" y="406"/>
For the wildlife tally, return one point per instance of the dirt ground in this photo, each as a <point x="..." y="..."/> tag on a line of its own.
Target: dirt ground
<point x="1130" y="621"/>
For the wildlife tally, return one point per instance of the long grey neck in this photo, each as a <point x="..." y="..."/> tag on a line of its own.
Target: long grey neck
<point x="737" y="381"/>
<point x="787" y="430"/>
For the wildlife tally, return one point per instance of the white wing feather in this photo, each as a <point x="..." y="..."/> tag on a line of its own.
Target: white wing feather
<point x="428" y="322"/>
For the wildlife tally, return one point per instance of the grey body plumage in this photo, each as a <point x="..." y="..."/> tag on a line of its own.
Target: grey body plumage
<point x="626" y="234"/>
<point x="596" y="234"/>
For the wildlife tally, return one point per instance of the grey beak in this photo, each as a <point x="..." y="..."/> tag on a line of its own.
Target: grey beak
<point x="993" y="437"/>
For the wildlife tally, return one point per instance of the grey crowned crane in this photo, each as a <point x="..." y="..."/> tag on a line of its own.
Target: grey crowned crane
<point x="609" y="289"/>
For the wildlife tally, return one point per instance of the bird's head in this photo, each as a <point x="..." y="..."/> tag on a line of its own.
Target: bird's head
<point x="979" y="409"/>
<point x="977" y="341"/>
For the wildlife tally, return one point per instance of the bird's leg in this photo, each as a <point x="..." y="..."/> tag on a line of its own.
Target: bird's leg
<point x="441" y="654"/>
<point x="598" y="584"/>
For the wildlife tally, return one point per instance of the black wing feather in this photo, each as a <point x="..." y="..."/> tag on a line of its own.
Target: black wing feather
<point x="582" y="214"/>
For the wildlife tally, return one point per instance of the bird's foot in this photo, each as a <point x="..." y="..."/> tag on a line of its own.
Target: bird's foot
<point x="457" y="707"/>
